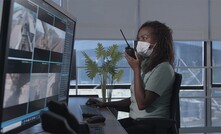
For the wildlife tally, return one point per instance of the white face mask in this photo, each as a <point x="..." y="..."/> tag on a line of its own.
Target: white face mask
<point x="143" y="48"/>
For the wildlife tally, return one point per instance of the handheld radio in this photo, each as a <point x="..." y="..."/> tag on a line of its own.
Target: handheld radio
<point x="129" y="50"/>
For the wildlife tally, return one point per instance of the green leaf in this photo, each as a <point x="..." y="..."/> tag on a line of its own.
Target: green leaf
<point x="112" y="49"/>
<point x="91" y="66"/>
<point x="115" y="54"/>
<point x="118" y="75"/>
<point x="100" y="51"/>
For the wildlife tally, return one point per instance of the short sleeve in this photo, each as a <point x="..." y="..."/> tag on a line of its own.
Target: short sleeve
<point x="160" y="79"/>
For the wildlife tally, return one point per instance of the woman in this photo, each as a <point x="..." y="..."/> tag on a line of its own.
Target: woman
<point x="153" y="76"/>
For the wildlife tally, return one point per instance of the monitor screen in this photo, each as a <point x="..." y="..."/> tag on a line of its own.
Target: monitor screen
<point x="38" y="53"/>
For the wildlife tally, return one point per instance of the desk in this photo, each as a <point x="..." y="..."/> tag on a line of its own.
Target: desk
<point x="111" y="125"/>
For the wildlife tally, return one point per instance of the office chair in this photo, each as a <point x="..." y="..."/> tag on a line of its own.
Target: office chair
<point x="163" y="125"/>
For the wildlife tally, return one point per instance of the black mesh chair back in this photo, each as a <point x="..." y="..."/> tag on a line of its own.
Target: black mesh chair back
<point x="175" y="102"/>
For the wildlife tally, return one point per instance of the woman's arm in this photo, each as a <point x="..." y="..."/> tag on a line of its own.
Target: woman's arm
<point x="143" y="97"/>
<point x="122" y="105"/>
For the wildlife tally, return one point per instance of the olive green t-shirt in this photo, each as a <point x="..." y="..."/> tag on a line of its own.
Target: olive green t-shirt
<point x="160" y="81"/>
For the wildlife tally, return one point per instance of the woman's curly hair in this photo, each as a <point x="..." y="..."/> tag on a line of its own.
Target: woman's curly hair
<point x="163" y="51"/>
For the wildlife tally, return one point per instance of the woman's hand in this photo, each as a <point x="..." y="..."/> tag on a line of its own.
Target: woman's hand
<point x="95" y="102"/>
<point x="134" y="63"/>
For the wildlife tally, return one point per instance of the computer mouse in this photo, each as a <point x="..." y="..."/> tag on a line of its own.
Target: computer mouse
<point x="88" y="103"/>
<point x="96" y="119"/>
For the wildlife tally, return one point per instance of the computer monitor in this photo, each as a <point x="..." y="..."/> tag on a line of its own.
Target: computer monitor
<point x="1" y="54"/>
<point x="37" y="60"/>
<point x="1" y="5"/>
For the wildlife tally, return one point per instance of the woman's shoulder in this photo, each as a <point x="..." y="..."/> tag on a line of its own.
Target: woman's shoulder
<point x="165" y="65"/>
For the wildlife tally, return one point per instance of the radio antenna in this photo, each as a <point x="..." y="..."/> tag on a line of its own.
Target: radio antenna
<point x="124" y="38"/>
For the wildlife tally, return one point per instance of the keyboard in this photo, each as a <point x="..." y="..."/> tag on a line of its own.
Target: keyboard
<point x="88" y="111"/>
<point x="95" y="129"/>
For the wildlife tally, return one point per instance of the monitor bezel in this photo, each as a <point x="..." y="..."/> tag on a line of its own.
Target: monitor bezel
<point x="6" y="22"/>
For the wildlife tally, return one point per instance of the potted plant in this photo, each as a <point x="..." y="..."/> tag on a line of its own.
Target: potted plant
<point x="107" y="69"/>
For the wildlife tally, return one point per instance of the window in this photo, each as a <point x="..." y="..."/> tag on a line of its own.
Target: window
<point x="216" y="84"/>
<point x="83" y="81"/>
<point x="189" y="62"/>
<point x="216" y="62"/>
<point x="89" y="46"/>
<point x="196" y="99"/>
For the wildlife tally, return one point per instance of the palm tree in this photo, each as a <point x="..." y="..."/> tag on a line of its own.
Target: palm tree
<point x="107" y="71"/>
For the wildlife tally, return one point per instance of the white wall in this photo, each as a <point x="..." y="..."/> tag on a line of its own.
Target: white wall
<point x="103" y="19"/>
<point x="189" y="19"/>
<point x="215" y="23"/>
